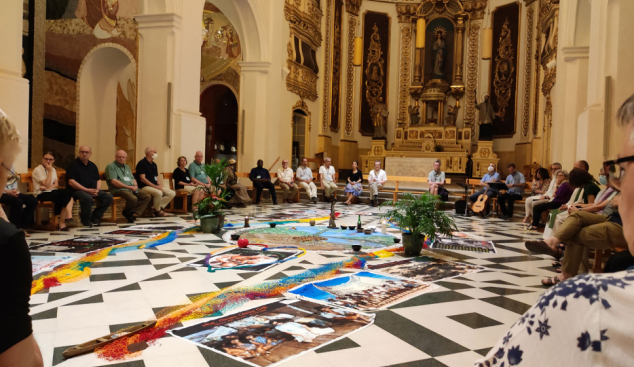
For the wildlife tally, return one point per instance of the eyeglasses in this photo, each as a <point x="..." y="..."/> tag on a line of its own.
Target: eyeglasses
<point x="615" y="170"/>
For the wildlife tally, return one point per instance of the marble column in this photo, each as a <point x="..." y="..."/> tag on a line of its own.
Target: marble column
<point x="252" y="132"/>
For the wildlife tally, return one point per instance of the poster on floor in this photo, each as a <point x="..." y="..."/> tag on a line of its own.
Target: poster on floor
<point x="276" y="332"/>
<point x="246" y="258"/>
<point x="363" y="291"/>
<point x="79" y="245"/>
<point x="40" y="264"/>
<point x="149" y="230"/>
<point x="463" y="244"/>
<point x="425" y="269"/>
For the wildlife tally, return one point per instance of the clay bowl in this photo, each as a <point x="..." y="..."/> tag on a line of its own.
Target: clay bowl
<point x="272" y="225"/>
<point x="344" y="227"/>
<point x="352" y="228"/>
<point x="359" y="229"/>
<point x="367" y="231"/>
<point x="397" y="240"/>
<point x="356" y="248"/>
<point x="235" y="237"/>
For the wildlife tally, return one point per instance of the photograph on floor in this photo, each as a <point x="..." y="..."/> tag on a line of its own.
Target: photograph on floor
<point x="149" y="230"/>
<point x="318" y="238"/>
<point x="463" y="244"/>
<point x="80" y="245"/>
<point x="246" y="258"/>
<point x="363" y="291"/>
<point x="41" y="264"/>
<point x="276" y="332"/>
<point x="425" y="269"/>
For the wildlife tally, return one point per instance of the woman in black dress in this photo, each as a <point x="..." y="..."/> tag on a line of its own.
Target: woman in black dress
<point x="17" y="344"/>
<point x="354" y="188"/>
<point x="183" y="181"/>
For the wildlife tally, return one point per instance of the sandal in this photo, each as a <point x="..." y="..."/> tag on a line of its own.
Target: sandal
<point x="161" y="214"/>
<point x="541" y="248"/>
<point x="60" y="229"/>
<point x="549" y="282"/>
<point x="556" y="264"/>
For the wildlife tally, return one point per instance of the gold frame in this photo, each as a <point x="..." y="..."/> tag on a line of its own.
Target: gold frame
<point x="332" y="64"/>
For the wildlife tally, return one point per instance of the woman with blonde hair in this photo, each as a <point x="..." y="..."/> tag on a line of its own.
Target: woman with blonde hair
<point x="183" y="181"/>
<point x="17" y="344"/>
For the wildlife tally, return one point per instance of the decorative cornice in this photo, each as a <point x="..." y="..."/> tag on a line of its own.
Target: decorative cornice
<point x="353" y="6"/>
<point x="255" y="66"/>
<point x="406" y="12"/>
<point x="158" y="20"/>
<point x="475" y="8"/>
<point x="572" y="53"/>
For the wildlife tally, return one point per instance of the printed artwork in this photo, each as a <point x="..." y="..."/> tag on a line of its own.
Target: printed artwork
<point x="463" y="244"/>
<point x="276" y="332"/>
<point x="40" y="264"/>
<point x="148" y="229"/>
<point x="79" y="245"/>
<point x="363" y="291"/>
<point x="254" y="260"/>
<point x="318" y="238"/>
<point x="425" y="269"/>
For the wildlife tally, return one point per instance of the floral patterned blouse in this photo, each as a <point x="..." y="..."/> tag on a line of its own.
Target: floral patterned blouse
<point x="583" y="321"/>
<point x="542" y="185"/>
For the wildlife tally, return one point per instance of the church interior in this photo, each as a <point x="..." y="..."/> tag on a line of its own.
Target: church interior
<point x="415" y="161"/>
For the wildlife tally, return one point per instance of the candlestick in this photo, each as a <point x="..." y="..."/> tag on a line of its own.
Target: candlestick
<point x="383" y="227"/>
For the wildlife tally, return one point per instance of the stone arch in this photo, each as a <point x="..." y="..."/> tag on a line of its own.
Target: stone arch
<point x="210" y="84"/>
<point x="96" y="104"/>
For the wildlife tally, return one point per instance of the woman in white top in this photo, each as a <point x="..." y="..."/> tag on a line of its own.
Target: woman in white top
<point x="45" y="188"/>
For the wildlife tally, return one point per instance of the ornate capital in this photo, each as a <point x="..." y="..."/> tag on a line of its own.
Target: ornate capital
<point x="353" y="6"/>
<point x="475" y="8"/>
<point x="406" y="12"/>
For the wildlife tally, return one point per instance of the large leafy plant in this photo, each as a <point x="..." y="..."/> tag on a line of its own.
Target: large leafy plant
<point x="419" y="215"/>
<point x="214" y="196"/>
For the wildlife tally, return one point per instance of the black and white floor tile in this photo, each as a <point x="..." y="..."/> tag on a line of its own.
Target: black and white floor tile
<point x="451" y="326"/>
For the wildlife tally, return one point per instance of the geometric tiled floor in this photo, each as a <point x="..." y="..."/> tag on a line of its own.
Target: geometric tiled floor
<point x="453" y="325"/>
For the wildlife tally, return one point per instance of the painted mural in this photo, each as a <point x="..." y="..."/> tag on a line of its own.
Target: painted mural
<point x="73" y="29"/>
<point x="221" y="49"/>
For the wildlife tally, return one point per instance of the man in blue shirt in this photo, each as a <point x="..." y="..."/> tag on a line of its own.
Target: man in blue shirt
<point x="197" y="173"/>
<point x="516" y="183"/>
<point x="492" y="176"/>
<point x="262" y="180"/>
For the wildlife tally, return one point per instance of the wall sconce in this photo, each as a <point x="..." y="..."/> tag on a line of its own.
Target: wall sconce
<point x="420" y="33"/>
<point x="357" y="60"/>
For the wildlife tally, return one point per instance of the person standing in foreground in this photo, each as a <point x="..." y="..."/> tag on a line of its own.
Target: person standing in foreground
<point x="305" y="177"/>
<point x="377" y="178"/>
<point x="121" y="183"/>
<point x="84" y="183"/>
<point x="582" y="321"/>
<point x="18" y="347"/>
<point x="147" y="171"/>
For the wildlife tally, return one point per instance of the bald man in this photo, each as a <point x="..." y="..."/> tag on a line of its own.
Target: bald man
<point x="84" y="184"/>
<point x="149" y="182"/>
<point x="121" y="183"/>
<point x="197" y="173"/>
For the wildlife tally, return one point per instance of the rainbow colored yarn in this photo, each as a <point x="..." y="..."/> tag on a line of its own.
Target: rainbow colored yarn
<point x="80" y="268"/>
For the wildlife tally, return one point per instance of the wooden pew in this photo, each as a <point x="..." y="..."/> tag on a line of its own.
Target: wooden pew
<point x="402" y="179"/>
<point x="246" y="175"/>
<point x="316" y="182"/>
<point x="171" y="208"/>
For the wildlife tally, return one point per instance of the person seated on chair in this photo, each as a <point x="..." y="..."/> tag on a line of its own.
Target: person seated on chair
<point x="185" y="182"/>
<point x="539" y="187"/>
<point x="327" y="180"/>
<point x="354" y="188"/>
<point x="121" y="183"/>
<point x="149" y="182"/>
<point x="287" y="181"/>
<point x="516" y="183"/>
<point x="562" y="195"/>
<point x="22" y="206"/>
<point x="237" y="193"/>
<point x="84" y="184"/>
<point x="491" y="176"/>
<point x="436" y="180"/>
<point x="45" y="188"/>
<point x="377" y="178"/>
<point x="304" y="176"/>
<point x="262" y="180"/>
<point x="197" y="173"/>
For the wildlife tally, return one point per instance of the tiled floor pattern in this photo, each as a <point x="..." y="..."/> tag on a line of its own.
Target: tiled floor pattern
<point x="451" y="326"/>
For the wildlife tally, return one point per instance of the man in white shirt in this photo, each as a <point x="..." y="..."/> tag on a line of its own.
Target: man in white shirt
<point x="304" y="176"/>
<point x="287" y="181"/>
<point x="436" y="179"/>
<point x="377" y="179"/>
<point x="327" y="180"/>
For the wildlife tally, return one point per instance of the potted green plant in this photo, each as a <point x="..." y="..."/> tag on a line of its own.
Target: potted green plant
<point x="209" y="209"/>
<point x="418" y="217"/>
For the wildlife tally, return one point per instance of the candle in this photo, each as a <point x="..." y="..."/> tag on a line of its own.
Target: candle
<point x="246" y="221"/>
<point x="384" y="227"/>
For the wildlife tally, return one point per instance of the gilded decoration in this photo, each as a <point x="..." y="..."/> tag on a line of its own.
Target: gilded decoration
<point x="325" y="110"/>
<point x="352" y="31"/>
<point x="301" y="81"/>
<point x="504" y="70"/>
<point x="301" y="105"/>
<point x="305" y="18"/>
<point x="405" y="73"/>
<point x="375" y="70"/>
<point x="336" y="67"/>
<point x="472" y="74"/>
<point x="450" y="134"/>
<point x="353" y="6"/>
<point x="406" y="12"/>
<point x="538" y="43"/>
<point x="528" y="68"/>
<point x="475" y="8"/>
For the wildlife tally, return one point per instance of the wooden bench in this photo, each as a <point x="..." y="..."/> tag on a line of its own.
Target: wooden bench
<point x="475" y="182"/>
<point x="171" y="208"/>
<point x="401" y="179"/>
<point x="315" y="181"/>
<point x="246" y="175"/>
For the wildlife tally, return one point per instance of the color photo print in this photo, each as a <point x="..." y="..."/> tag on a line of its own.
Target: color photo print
<point x="425" y="269"/>
<point x="79" y="245"/>
<point x="249" y="259"/>
<point x="149" y="230"/>
<point x="363" y="291"/>
<point x="276" y="332"/>
<point x="463" y="244"/>
<point x="40" y="264"/>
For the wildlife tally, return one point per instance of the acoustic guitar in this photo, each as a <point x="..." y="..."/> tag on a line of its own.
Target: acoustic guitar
<point x="481" y="204"/>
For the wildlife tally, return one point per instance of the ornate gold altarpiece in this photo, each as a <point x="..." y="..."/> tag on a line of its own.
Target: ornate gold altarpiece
<point x="437" y="137"/>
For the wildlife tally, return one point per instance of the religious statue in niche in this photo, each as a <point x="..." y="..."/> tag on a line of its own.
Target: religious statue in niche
<point x="440" y="53"/>
<point x="414" y="115"/>
<point x="452" y="114"/>
<point x="379" y="118"/>
<point x="375" y="74"/>
<point x="504" y="71"/>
